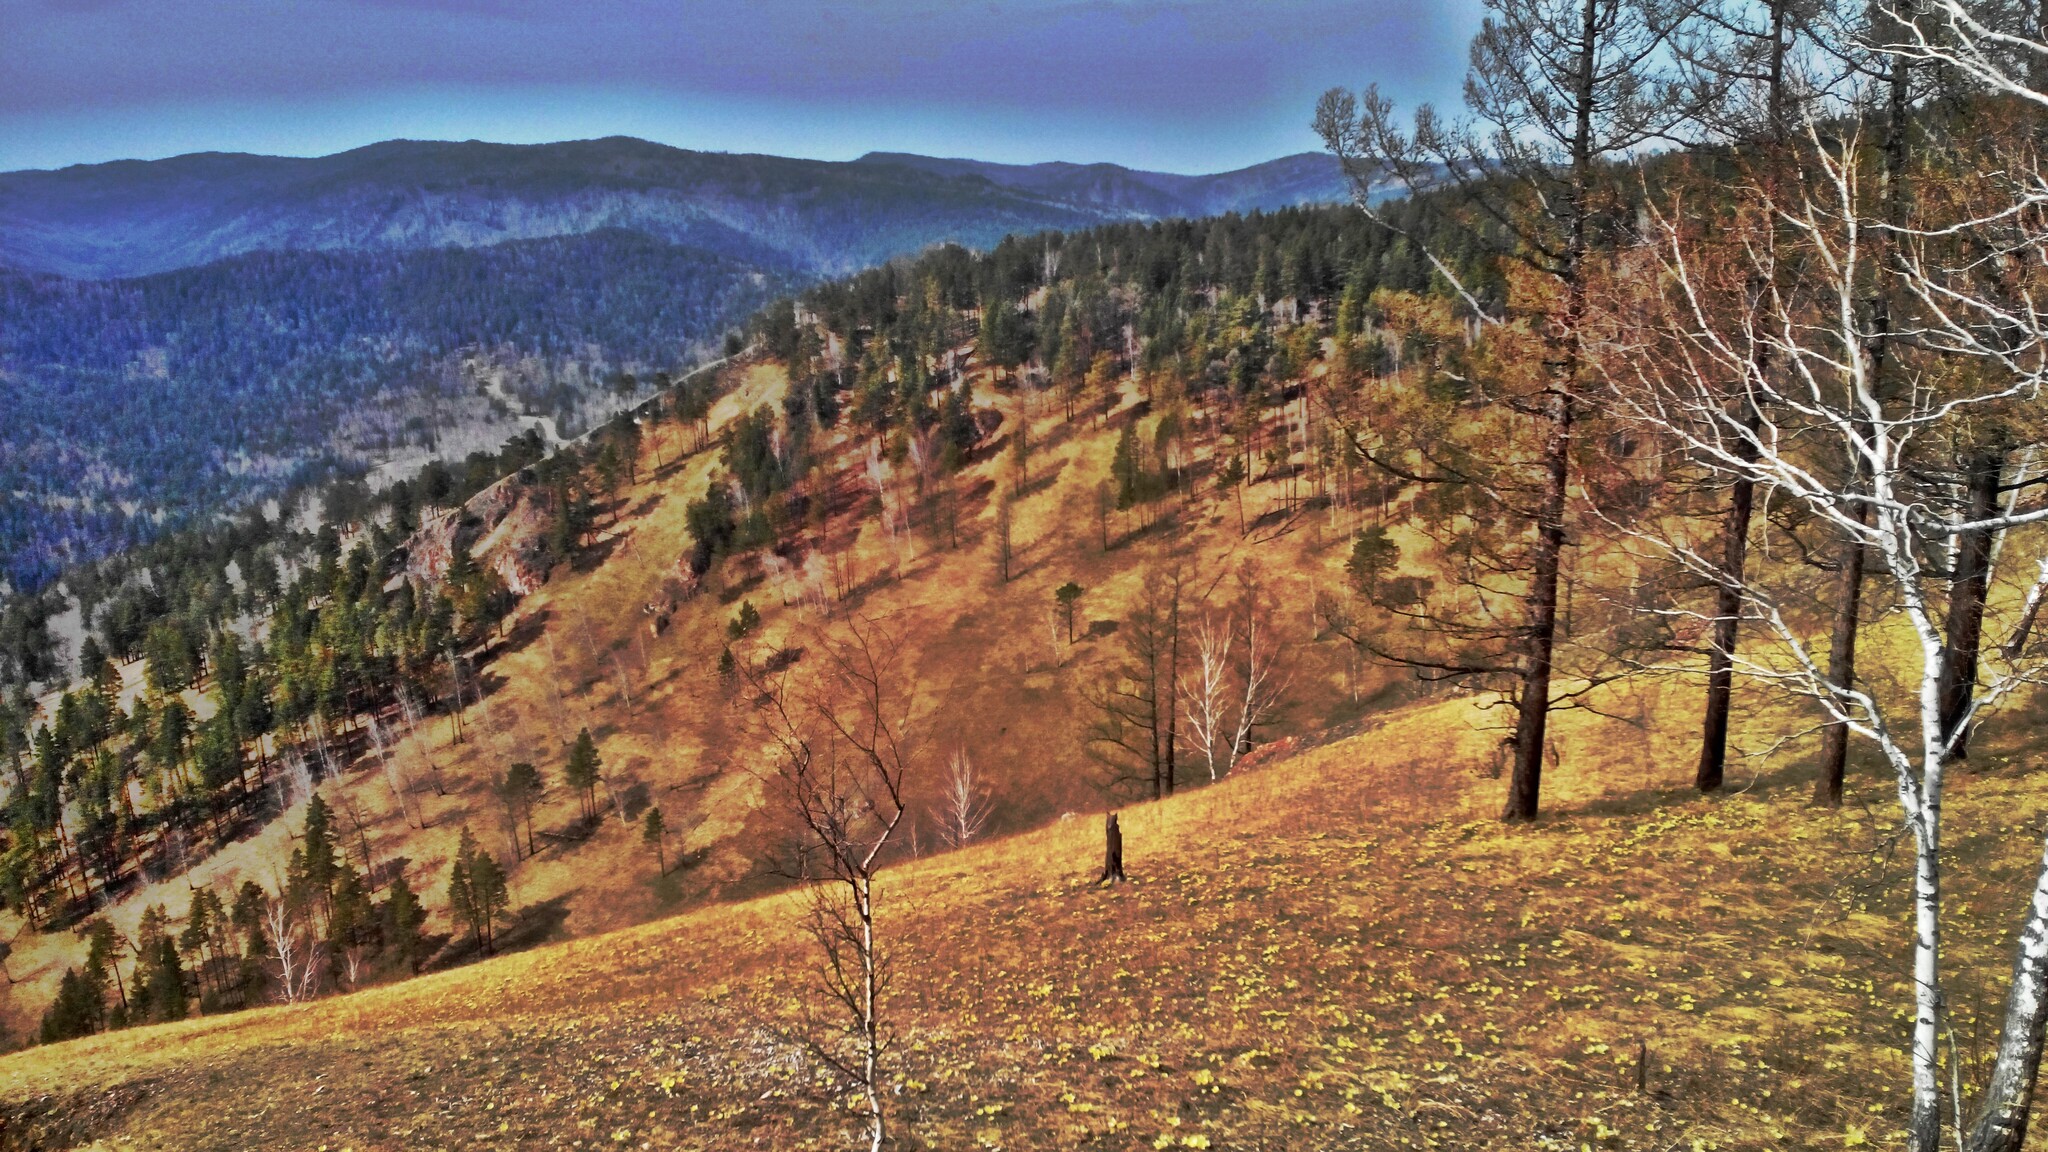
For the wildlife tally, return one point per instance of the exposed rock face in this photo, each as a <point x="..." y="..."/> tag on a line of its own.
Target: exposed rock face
<point x="504" y="528"/>
<point x="429" y="549"/>
<point x="517" y="547"/>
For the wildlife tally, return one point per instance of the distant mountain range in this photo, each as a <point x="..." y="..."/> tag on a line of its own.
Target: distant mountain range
<point x="1119" y="192"/>
<point x="133" y="218"/>
<point x="180" y="336"/>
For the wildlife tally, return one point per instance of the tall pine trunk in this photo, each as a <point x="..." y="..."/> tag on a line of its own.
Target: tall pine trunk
<point x="1984" y="474"/>
<point x="1834" y="749"/>
<point x="1533" y="706"/>
<point x="1727" y="617"/>
<point x="1849" y="589"/>
<point x="1532" y="720"/>
<point x="1712" y="767"/>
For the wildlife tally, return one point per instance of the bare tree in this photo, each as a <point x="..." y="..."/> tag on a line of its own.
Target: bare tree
<point x="1135" y="732"/>
<point x="410" y="711"/>
<point x="967" y="804"/>
<point x="1234" y="685"/>
<point x="1837" y="393"/>
<point x="395" y="777"/>
<point x="844" y="737"/>
<point x="295" y="952"/>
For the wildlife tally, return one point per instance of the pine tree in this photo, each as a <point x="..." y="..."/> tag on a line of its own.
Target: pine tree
<point x="520" y="789"/>
<point x="1127" y="469"/>
<point x="652" y="832"/>
<point x="489" y="897"/>
<point x="75" y="1012"/>
<point x="1373" y="555"/>
<point x="319" y="847"/>
<point x="103" y="970"/>
<point x="403" y="918"/>
<point x="582" y="771"/>
<point x="462" y="904"/>
<point x="198" y="933"/>
<point x="165" y="989"/>
<point x="1068" y="596"/>
<point x="348" y="921"/>
<point x="250" y="901"/>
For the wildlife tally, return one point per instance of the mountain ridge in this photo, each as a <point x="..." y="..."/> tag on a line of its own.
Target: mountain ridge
<point x="135" y="217"/>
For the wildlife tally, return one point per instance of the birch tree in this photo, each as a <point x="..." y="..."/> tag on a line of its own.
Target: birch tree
<point x="294" y="949"/>
<point x="965" y="803"/>
<point x="1834" y="393"/>
<point x="1234" y="682"/>
<point x="842" y="739"/>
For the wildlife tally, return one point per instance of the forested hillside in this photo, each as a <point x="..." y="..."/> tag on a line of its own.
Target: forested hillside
<point x="1683" y="513"/>
<point x="291" y="319"/>
<point x="277" y="659"/>
<point x="137" y="405"/>
<point x="138" y="217"/>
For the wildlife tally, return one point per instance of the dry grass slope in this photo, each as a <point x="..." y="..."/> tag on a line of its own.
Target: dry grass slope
<point x="1341" y="950"/>
<point x="580" y="652"/>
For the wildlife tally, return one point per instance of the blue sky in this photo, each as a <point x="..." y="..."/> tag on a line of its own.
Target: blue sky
<point x="1192" y="86"/>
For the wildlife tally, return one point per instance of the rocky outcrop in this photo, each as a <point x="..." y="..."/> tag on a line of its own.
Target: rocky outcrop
<point x="504" y="528"/>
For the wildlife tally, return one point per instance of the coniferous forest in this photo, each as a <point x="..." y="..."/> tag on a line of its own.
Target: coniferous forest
<point x="138" y="405"/>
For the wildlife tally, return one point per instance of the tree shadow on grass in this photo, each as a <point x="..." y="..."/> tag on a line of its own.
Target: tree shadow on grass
<point x="1042" y="479"/>
<point x="536" y="924"/>
<point x="524" y="928"/>
<point x="1867" y="778"/>
<point x="591" y="557"/>
<point x="523" y="634"/>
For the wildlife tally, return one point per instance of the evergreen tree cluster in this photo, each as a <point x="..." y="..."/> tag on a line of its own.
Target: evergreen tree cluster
<point x="225" y="956"/>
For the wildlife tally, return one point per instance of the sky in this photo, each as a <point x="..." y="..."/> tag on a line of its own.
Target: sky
<point x="1174" y="85"/>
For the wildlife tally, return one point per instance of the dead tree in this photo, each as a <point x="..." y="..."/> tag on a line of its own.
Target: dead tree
<point x="1136" y="729"/>
<point x="1112" y="852"/>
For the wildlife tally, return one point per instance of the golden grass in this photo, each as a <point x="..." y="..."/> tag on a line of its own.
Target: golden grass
<point x="1341" y="950"/>
<point x="981" y="651"/>
<point x="1337" y="950"/>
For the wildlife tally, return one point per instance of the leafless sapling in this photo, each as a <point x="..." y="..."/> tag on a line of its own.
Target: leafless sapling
<point x="843" y="731"/>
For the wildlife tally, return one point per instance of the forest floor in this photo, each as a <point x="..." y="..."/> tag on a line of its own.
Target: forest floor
<point x="1341" y="949"/>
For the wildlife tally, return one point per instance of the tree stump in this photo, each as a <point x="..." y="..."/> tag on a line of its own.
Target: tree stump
<point x="1112" y="852"/>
